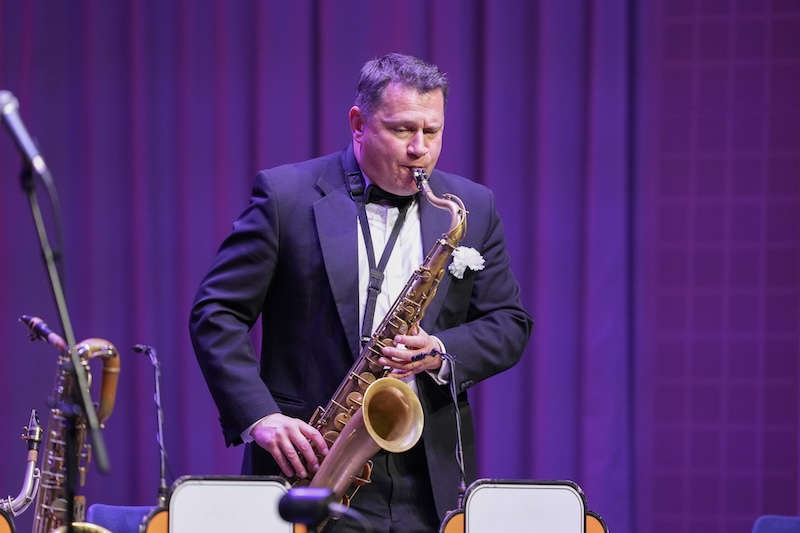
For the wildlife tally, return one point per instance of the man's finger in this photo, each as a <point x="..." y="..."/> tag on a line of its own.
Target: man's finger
<point x="301" y="443"/>
<point x="294" y="459"/>
<point x="393" y="363"/>
<point x="317" y="441"/>
<point x="412" y="341"/>
<point x="276" y="453"/>
<point x="402" y="371"/>
<point x="398" y="353"/>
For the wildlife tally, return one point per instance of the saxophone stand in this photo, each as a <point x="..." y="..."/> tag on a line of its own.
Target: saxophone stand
<point x="81" y="401"/>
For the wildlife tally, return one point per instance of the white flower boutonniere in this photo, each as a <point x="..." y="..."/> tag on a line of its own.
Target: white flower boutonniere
<point x="465" y="257"/>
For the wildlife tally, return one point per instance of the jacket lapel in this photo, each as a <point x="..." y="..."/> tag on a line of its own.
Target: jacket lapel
<point x="335" y="216"/>
<point x="434" y="222"/>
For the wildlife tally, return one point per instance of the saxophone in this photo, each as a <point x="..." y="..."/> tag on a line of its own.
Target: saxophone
<point x="33" y="435"/>
<point x="370" y="410"/>
<point x="51" y="504"/>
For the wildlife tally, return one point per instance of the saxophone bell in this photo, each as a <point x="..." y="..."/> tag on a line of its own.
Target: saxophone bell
<point x="390" y="418"/>
<point x="392" y="415"/>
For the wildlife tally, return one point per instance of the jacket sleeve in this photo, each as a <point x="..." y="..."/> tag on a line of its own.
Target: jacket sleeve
<point x="227" y="306"/>
<point x="496" y="328"/>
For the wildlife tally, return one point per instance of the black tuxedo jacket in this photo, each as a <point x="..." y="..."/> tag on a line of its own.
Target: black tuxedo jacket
<point x="292" y="258"/>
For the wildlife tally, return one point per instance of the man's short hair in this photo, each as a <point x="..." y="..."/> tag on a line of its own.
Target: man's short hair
<point x="406" y="70"/>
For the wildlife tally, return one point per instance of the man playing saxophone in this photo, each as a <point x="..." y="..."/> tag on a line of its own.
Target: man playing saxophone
<point x="321" y="252"/>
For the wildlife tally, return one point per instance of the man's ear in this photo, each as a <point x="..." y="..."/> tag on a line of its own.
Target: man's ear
<point x="357" y="122"/>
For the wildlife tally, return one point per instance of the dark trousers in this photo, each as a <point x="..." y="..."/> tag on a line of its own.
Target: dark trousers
<point x="399" y="499"/>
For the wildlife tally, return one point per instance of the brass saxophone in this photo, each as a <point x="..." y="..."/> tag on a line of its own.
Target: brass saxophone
<point x="51" y="504"/>
<point x="369" y="410"/>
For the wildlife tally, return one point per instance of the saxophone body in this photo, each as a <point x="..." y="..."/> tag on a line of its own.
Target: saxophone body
<point x="371" y="410"/>
<point x="51" y="502"/>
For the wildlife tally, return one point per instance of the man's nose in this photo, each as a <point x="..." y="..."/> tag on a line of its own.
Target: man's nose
<point x="417" y="146"/>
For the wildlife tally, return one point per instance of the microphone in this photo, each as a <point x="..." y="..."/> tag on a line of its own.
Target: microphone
<point x="9" y="107"/>
<point x="148" y="351"/>
<point x="312" y="505"/>
<point x="306" y="505"/>
<point x="41" y="330"/>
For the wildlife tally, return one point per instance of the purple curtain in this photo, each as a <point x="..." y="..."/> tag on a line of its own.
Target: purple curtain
<point x="645" y="160"/>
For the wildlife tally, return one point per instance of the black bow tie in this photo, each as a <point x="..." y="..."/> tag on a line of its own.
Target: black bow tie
<point x="376" y="195"/>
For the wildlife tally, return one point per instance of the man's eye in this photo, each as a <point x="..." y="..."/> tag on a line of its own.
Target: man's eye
<point x="400" y="129"/>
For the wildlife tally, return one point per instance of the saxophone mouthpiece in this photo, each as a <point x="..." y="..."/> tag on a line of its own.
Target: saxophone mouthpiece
<point x="33" y="431"/>
<point x="40" y="330"/>
<point x="419" y="176"/>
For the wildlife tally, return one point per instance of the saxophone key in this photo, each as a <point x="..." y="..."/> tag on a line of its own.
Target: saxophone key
<point x="409" y="309"/>
<point x="354" y="399"/>
<point x="387" y="342"/>
<point x="365" y="476"/>
<point x="330" y="437"/>
<point x="379" y="343"/>
<point x="401" y="326"/>
<point x="318" y="417"/>
<point x="341" y="421"/>
<point x="365" y="379"/>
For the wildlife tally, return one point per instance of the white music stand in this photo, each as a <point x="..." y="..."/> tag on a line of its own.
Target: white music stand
<point x="503" y="505"/>
<point x="227" y="503"/>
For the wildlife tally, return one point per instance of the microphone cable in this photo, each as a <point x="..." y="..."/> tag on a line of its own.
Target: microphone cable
<point x="462" y="484"/>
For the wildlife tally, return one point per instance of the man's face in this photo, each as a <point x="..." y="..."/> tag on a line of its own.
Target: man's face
<point x="404" y="132"/>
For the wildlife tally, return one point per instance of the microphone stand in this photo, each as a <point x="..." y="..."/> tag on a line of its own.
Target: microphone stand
<point x="162" y="481"/>
<point x="82" y="401"/>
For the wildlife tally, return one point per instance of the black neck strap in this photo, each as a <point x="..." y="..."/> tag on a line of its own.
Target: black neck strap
<point x="354" y="181"/>
<point x="376" y="272"/>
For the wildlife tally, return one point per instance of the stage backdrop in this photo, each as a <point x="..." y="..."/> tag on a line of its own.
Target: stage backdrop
<point x="645" y="160"/>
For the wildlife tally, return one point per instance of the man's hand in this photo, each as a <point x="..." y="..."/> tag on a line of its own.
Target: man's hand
<point x="401" y="360"/>
<point x="283" y="437"/>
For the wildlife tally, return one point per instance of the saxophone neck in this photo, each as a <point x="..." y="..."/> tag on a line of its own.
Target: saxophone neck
<point x="448" y="202"/>
<point x="96" y="347"/>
